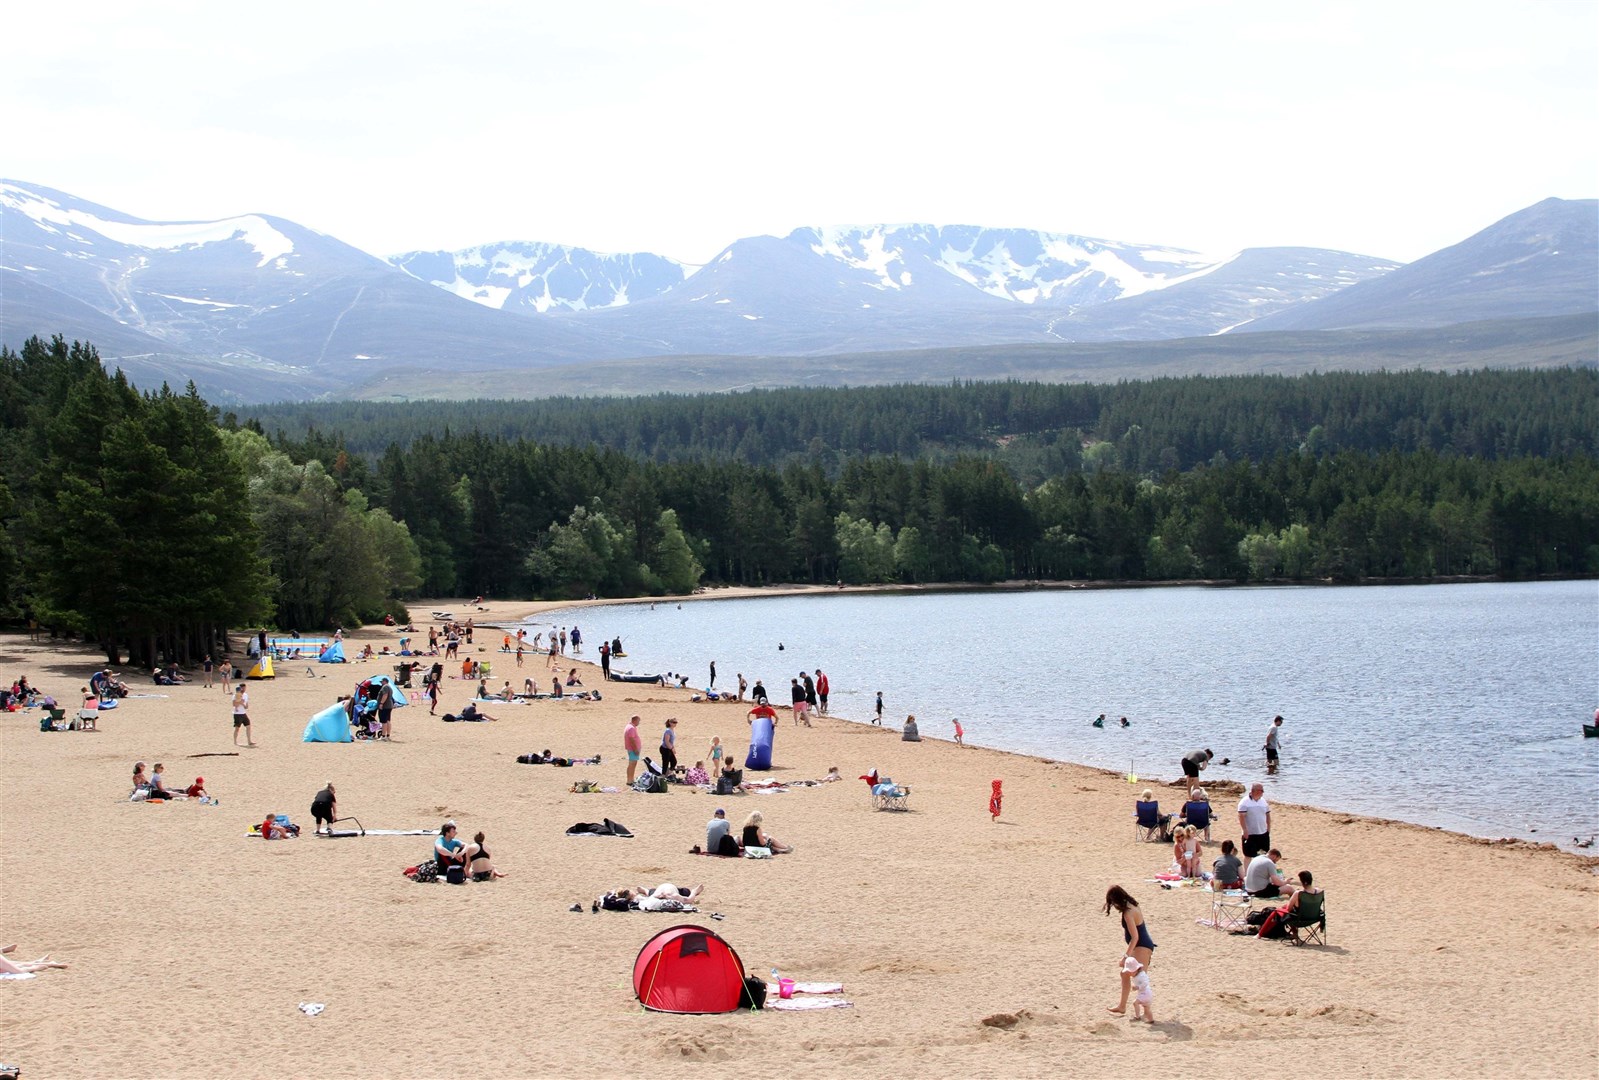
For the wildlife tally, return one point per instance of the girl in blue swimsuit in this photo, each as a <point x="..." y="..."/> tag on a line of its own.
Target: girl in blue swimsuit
<point x="1136" y="934"/>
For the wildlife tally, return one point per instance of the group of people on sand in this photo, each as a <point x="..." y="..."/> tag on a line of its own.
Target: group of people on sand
<point x="719" y="838"/>
<point x="474" y="860"/>
<point x="153" y="786"/>
<point x="1256" y="872"/>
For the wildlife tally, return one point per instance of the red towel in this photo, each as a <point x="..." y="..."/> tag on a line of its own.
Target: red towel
<point x="995" y="799"/>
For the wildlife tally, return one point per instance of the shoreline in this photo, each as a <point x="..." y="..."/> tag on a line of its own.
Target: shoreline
<point x="995" y="930"/>
<point x="535" y="607"/>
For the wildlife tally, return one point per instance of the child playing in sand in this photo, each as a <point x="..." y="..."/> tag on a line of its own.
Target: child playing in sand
<point x="1143" y="995"/>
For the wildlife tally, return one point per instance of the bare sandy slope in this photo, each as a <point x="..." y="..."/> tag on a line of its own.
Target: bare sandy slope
<point x="191" y="944"/>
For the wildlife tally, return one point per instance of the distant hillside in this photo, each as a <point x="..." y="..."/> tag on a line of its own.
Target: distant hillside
<point x="1543" y="260"/>
<point x="1571" y="340"/>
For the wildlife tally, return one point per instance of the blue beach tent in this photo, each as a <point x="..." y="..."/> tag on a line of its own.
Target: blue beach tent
<point x="333" y="654"/>
<point x="332" y="724"/>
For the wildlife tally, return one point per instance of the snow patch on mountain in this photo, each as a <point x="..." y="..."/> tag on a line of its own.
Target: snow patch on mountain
<point x="52" y="217"/>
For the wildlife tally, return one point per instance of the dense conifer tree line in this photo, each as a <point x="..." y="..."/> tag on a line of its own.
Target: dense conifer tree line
<point x="147" y="520"/>
<point x="1037" y="429"/>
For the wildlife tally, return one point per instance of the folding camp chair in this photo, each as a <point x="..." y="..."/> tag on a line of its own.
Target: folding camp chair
<point x="1149" y="823"/>
<point x="888" y="795"/>
<point x="1307" y="923"/>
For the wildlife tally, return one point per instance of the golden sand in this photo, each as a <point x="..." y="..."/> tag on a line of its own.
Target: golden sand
<point x="968" y="948"/>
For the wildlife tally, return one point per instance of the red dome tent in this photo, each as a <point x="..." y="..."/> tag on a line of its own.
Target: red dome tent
<point x="688" y="969"/>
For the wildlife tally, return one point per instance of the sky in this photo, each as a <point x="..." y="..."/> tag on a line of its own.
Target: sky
<point x="1389" y="129"/>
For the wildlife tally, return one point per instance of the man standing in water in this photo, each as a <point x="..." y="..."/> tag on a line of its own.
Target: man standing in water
<point x="605" y="662"/>
<point x="822" y="687"/>
<point x="1272" y="745"/>
<point x="712" y="684"/>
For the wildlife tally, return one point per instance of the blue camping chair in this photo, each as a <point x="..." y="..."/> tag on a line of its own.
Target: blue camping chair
<point x="1198" y="814"/>
<point x="1149" y="823"/>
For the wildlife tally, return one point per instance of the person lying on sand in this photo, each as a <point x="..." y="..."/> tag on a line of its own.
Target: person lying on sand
<point x="25" y="967"/>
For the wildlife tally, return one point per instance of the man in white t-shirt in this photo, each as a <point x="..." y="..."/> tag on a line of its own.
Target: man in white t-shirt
<point x="1254" y="819"/>
<point x="1262" y="878"/>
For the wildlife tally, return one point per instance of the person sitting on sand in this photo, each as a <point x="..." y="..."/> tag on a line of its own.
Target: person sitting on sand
<point x="1228" y="873"/>
<point x="697" y="774"/>
<point x="9" y="966"/>
<point x="1147" y="812"/>
<point x="1262" y="879"/>
<point x="197" y="789"/>
<point x="572" y="679"/>
<point x="471" y="714"/>
<point x="479" y="864"/>
<point x="141" y="781"/>
<point x="447" y="850"/>
<point x="756" y="836"/>
<point x="158" y="786"/>
<point x="719" y="836"/>
<point x="1186" y="850"/>
<point x="910" y="733"/>
<point x="555" y="686"/>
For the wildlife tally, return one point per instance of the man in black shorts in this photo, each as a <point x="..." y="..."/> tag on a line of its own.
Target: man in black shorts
<point x="325" y="807"/>
<point x="1254" y="819"/>
<point x="1193" y="761"/>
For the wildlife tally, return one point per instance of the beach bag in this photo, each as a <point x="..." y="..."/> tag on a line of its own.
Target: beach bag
<point x="455" y="875"/>
<point x="757" y="853"/>
<point x="426" y="872"/>
<point x="1255" y="918"/>
<point x="753" y="996"/>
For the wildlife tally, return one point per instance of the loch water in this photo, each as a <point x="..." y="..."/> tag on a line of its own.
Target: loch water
<point x="1457" y="705"/>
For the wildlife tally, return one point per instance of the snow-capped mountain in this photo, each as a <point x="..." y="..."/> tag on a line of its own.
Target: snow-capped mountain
<point x="538" y="278"/>
<point x="846" y="288"/>
<point x="1543" y="260"/>
<point x="289" y="305"/>
<point x="256" y="307"/>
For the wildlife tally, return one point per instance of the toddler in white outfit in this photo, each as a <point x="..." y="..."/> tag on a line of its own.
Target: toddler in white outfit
<point x="1143" y="995"/>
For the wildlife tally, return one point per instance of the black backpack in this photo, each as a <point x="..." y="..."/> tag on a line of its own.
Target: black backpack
<point x="754" y="993"/>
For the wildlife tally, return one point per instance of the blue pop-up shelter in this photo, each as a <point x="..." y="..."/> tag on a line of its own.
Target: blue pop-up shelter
<point x="762" y="729"/>
<point x="333" y="654"/>
<point x="332" y="724"/>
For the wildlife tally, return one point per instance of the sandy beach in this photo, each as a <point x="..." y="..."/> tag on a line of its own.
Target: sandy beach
<point x="967" y="947"/>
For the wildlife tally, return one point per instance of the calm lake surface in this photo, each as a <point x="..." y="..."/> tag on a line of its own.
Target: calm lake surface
<point x="1451" y="705"/>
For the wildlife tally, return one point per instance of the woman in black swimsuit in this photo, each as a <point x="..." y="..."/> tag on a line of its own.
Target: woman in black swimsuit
<point x="1139" y="943"/>
<point x="478" y="862"/>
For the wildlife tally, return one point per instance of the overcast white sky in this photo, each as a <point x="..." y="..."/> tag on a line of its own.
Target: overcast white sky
<point x="1389" y="129"/>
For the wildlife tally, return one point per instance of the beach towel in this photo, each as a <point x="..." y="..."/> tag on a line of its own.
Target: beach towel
<point x="20" y="975"/>
<point x="805" y="1004"/>
<point x="818" y="988"/>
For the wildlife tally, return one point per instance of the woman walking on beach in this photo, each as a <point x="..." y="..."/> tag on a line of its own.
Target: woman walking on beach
<point x="1139" y="944"/>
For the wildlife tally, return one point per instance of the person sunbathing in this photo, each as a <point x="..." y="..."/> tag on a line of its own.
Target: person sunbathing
<point x="9" y="966"/>
<point x="664" y="897"/>
<point x="479" y="864"/>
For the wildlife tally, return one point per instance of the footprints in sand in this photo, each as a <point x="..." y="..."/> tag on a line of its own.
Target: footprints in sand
<point x="1342" y="1015"/>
